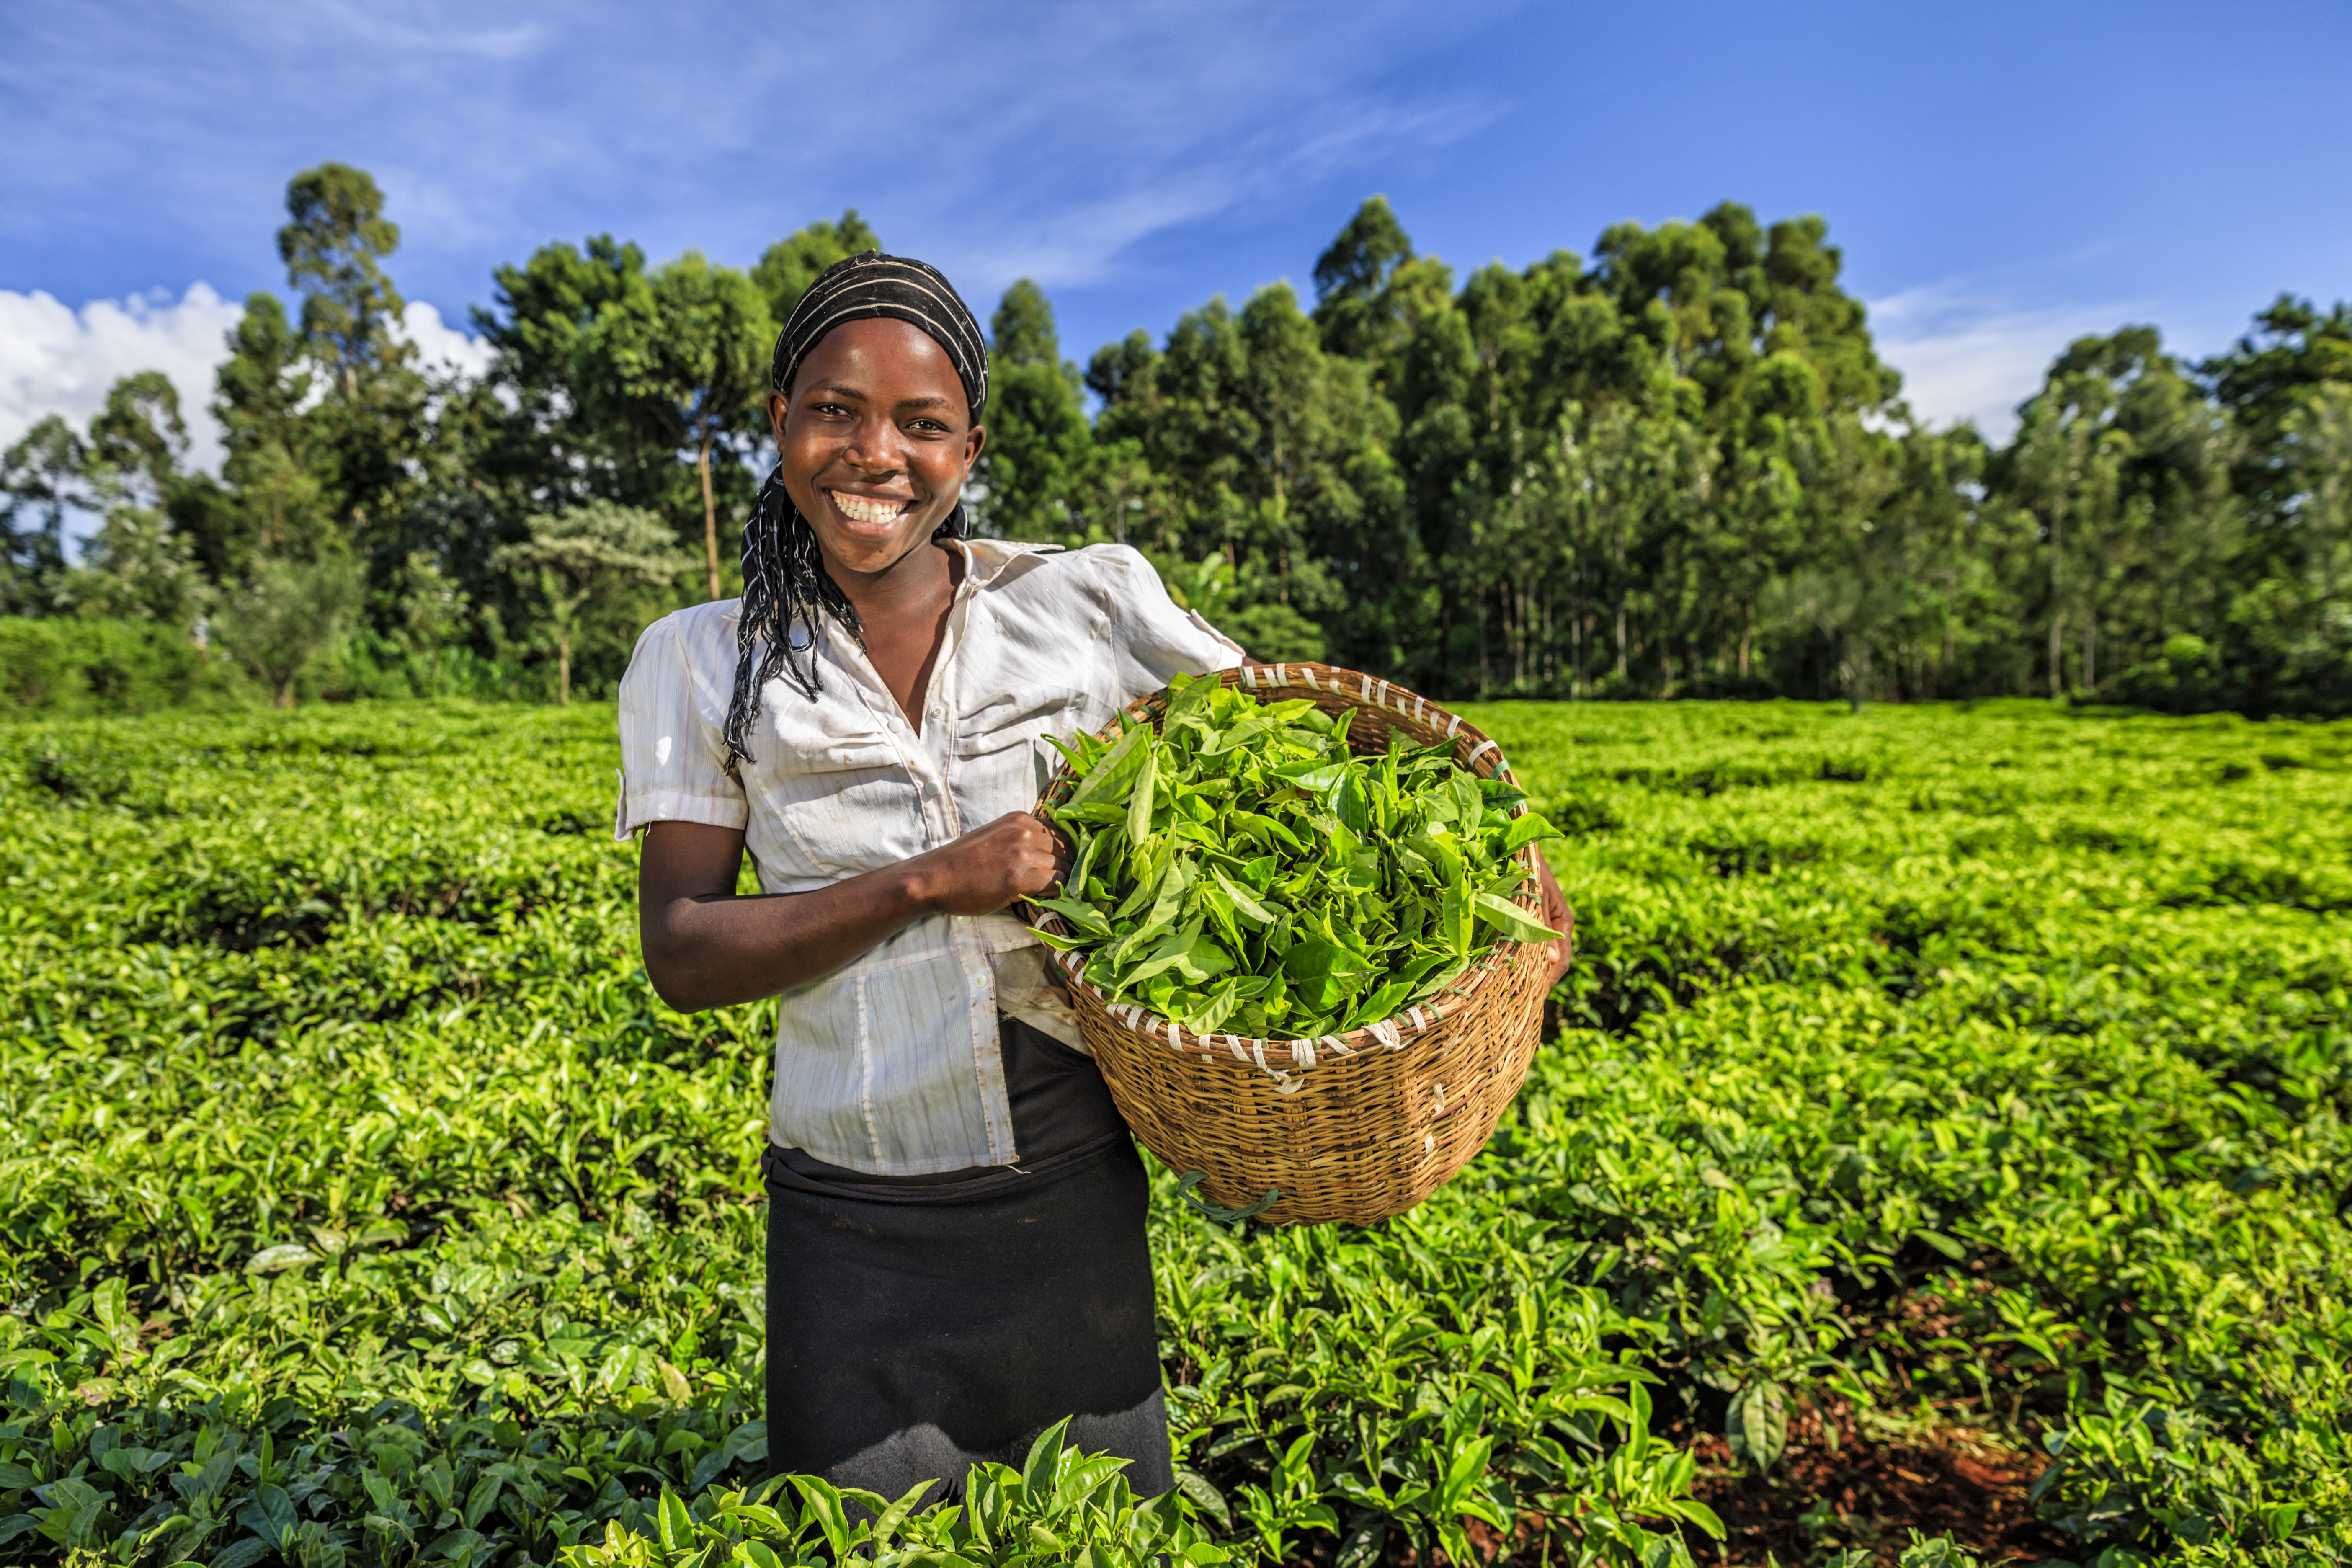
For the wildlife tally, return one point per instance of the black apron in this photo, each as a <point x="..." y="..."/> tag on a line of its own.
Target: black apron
<point x="917" y="1328"/>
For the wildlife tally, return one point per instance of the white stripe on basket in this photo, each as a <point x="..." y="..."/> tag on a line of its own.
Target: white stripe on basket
<point x="1363" y="686"/>
<point x="1383" y="698"/>
<point x="1281" y="675"/>
<point x="1484" y="747"/>
<point x="1303" y="1053"/>
<point x="1455" y="725"/>
<point x="1249" y="677"/>
<point x="1418" y="1021"/>
<point x="1284" y="1083"/>
<point x="1308" y="671"/>
<point x="1175" y="1034"/>
<point x="1239" y="1046"/>
<point x="1420" y="708"/>
<point x="1387" y="1034"/>
<point x="1339" y="1044"/>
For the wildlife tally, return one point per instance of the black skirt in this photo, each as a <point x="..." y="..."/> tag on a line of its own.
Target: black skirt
<point x="916" y="1331"/>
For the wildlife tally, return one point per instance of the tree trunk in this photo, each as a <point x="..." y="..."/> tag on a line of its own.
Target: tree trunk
<point x="2057" y="618"/>
<point x="709" y="514"/>
<point x="285" y="694"/>
<point x="563" y="667"/>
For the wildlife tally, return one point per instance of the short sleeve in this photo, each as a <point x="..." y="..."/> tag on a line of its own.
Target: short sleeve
<point x="672" y="749"/>
<point x="1155" y="640"/>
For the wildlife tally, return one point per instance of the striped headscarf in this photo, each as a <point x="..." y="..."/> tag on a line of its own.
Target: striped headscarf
<point x="784" y="580"/>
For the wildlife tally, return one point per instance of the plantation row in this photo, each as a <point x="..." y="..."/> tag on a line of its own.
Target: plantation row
<point x="1947" y="1106"/>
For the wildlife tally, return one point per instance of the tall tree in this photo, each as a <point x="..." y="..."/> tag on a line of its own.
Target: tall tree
<point x="688" y="348"/>
<point x="370" y="423"/>
<point x="1038" y="466"/>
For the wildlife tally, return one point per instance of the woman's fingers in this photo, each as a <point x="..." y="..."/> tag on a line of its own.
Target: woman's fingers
<point x="1065" y="852"/>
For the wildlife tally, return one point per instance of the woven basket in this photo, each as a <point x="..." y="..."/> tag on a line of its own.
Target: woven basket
<point x="1354" y="1127"/>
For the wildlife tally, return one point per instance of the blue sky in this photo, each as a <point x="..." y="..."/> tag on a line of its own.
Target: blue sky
<point x="2001" y="178"/>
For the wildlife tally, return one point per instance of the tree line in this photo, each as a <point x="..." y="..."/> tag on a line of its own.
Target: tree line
<point x="1678" y="468"/>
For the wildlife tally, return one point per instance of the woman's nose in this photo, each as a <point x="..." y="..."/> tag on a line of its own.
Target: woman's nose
<point x="875" y="444"/>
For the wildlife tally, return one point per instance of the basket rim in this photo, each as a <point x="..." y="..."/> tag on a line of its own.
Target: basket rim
<point x="1267" y="682"/>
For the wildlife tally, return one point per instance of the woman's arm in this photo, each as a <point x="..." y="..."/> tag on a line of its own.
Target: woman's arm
<point x="705" y="947"/>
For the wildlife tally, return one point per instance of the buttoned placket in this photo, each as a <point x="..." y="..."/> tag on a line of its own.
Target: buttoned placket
<point x="926" y="754"/>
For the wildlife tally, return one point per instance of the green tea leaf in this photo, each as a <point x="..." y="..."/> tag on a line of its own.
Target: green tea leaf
<point x="1512" y="921"/>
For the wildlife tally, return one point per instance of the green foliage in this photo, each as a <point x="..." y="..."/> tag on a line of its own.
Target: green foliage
<point x="1979" y="1069"/>
<point x="598" y="549"/>
<point x="62" y="667"/>
<point x="792" y="264"/>
<point x="285" y="614"/>
<point x="1677" y="468"/>
<point x="687" y="349"/>
<point x="1242" y="869"/>
<point x="1037" y="469"/>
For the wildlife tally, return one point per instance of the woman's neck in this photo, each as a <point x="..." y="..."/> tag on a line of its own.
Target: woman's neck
<point x="902" y="614"/>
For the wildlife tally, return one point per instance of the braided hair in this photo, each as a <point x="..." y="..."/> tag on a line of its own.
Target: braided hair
<point x="784" y="579"/>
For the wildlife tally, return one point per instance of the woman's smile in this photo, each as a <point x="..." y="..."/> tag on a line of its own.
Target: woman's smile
<point x="869" y="509"/>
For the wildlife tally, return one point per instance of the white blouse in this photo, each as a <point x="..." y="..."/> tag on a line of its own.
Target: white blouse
<point x="890" y="1065"/>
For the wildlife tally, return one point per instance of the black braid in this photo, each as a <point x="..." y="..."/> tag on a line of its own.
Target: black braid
<point x="784" y="580"/>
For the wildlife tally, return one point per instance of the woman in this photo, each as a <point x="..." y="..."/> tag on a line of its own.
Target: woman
<point x="955" y="1243"/>
<point x="956" y="1253"/>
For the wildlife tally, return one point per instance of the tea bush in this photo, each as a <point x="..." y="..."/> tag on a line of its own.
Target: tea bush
<point x="1933" y="1070"/>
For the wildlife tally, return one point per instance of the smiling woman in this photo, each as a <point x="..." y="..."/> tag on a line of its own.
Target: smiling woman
<point x="956" y="1253"/>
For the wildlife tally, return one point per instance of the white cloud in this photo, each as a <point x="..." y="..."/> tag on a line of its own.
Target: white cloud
<point x="441" y="348"/>
<point x="57" y="360"/>
<point x="1966" y="355"/>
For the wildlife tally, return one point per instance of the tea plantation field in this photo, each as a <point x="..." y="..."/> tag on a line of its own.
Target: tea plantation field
<point x="1944" y="1132"/>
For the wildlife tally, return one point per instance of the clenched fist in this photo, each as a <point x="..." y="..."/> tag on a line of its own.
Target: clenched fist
<point x="1017" y="855"/>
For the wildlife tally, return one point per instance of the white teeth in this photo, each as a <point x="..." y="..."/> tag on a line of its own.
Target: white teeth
<point x="868" y="508"/>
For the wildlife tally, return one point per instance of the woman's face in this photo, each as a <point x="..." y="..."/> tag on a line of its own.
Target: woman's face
<point x="876" y="441"/>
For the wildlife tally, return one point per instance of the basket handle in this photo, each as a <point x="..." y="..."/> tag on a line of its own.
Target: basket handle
<point x="1216" y="1212"/>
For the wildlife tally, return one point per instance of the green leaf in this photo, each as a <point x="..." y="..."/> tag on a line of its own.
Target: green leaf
<point x="1758" y="1424"/>
<point x="1139" y="800"/>
<point x="1512" y="921"/>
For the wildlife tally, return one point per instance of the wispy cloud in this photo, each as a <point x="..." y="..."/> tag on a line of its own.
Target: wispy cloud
<point x="1063" y="132"/>
<point x="1968" y="353"/>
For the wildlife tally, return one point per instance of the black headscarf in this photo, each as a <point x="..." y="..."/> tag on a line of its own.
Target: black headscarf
<point x="784" y="579"/>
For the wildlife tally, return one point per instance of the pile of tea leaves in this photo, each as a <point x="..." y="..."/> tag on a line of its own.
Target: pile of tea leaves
<point x="1242" y="870"/>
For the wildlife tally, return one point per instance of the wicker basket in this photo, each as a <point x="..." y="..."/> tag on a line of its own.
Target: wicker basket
<point x="1354" y="1127"/>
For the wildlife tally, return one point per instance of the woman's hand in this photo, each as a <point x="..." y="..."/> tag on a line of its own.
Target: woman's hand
<point x="705" y="947"/>
<point x="1559" y="917"/>
<point x="1018" y="855"/>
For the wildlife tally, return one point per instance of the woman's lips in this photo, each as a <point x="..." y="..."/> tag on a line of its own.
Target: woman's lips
<point x="870" y="508"/>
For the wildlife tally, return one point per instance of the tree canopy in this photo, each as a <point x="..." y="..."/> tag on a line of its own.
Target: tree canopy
<point x="1679" y="466"/>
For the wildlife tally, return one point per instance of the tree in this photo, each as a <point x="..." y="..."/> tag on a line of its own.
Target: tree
<point x="1351" y="280"/>
<point x="792" y="264"/>
<point x="689" y="348"/>
<point x="139" y="565"/>
<point x="366" y="431"/>
<point x="285" y="612"/>
<point x="1036" y="464"/>
<point x="594" y="549"/>
<point x="42" y="482"/>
